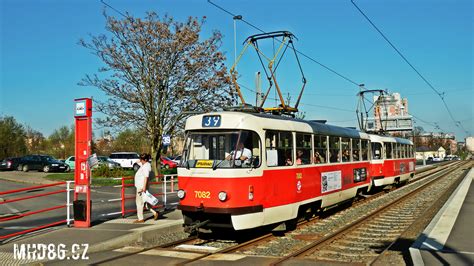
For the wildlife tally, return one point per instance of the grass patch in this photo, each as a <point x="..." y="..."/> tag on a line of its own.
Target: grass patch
<point x="60" y="176"/>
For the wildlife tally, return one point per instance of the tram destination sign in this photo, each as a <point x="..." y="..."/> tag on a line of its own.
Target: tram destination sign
<point x="211" y="121"/>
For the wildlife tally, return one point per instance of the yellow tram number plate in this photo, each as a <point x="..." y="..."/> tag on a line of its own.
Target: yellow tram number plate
<point x="202" y="194"/>
<point x="204" y="163"/>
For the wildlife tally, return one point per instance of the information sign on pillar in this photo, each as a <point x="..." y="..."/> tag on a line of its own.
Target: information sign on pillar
<point x="83" y="139"/>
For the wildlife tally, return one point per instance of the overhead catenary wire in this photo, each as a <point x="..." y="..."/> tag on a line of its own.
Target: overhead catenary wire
<point x="306" y="104"/>
<point x="296" y="51"/>
<point x="304" y="55"/>
<point x="440" y="94"/>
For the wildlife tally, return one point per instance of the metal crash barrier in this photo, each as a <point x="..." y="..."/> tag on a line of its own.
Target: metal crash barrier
<point x="43" y="210"/>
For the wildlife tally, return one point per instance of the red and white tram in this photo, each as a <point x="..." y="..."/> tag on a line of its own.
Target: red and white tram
<point x="392" y="160"/>
<point x="291" y="167"/>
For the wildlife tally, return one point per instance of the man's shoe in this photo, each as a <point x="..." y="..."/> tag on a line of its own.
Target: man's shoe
<point x="155" y="216"/>
<point x="138" y="221"/>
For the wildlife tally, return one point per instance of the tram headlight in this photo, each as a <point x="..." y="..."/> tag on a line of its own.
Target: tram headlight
<point x="222" y="196"/>
<point x="181" y="193"/>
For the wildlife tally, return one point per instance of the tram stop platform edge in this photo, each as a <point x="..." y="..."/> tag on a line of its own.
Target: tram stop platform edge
<point x="448" y="239"/>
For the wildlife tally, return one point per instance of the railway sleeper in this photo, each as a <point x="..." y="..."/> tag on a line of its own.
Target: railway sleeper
<point x="349" y="247"/>
<point x="359" y="238"/>
<point x="385" y="227"/>
<point x="376" y="234"/>
<point x="339" y="255"/>
<point x="383" y="231"/>
<point x="361" y="244"/>
<point x="345" y="251"/>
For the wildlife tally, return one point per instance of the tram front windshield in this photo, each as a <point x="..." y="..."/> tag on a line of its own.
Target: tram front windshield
<point x="221" y="149"/>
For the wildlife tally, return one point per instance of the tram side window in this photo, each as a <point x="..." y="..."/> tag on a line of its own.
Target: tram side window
<point x="388" y="150"/>
<point x="334" y="149"/>
<point x="376" y="150"/>
<point x="303" y="149"/>
<point x="403" y="151"/>
<point x="320" y="148"/>
<point x="346" y="149"/>
<point x="355" y="150"/>
<point x="397" y="150"/>
<point x="279" y="148"/>
<point x="365" y="150"/>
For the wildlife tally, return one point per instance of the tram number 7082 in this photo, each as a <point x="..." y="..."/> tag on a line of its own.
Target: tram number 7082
<point x="202" y="194"/>
<point x="211" y="121"/>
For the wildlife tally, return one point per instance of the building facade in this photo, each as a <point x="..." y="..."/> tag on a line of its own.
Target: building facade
<point x="390" y="114"/>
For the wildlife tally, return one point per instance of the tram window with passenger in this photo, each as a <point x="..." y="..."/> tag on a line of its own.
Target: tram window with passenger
<point x="334" y="149"/>
<point x="376" y="150"/>
<point x="279" y="148"/>
<point x="303" y="149"/>
<point x="320" y="149"/>
<point x="365" y="149"/>
<point x="388" y="150"/>
<point x="346" y="149"/>
<point x="356" y="150"/>
<point x="222" y="149"/>
<point x="397" y="151"/>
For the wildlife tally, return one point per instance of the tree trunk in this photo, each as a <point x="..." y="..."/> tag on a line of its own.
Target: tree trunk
<point x="155" y="159"/>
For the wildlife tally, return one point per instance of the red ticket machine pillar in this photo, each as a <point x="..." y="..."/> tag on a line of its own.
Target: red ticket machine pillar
<point x="82" y="196"/>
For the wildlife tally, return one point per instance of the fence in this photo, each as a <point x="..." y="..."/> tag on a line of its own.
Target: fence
<point x="168" y="184"/>
<point x="29" y="213"/>
<point x="167" y="180"/>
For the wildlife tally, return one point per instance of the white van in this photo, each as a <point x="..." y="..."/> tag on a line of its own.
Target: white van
<point x="126" y="159"/>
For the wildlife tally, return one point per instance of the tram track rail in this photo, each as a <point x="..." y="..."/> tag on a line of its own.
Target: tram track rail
<point x="240" y="248"/>
<point x="343" y="241"/>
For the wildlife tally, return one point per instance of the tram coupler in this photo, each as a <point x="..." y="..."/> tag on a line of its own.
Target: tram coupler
<point x="192" y="229"/>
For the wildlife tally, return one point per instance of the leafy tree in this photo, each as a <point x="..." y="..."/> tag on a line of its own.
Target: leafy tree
<point x="156" y="71"/>
<point x="36" y="142"/>
<point x="12" y="138"/>
<point x="61" y="142"/>
<point x="130" y="140"/>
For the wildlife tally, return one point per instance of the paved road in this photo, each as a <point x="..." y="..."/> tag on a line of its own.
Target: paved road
<point x="100" y="207"/>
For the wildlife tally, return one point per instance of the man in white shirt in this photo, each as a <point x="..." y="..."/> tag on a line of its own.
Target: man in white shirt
<point x="241" y="155"/>
<point x="141" y="184"/>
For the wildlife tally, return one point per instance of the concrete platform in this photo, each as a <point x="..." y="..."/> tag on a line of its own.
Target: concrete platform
<point x="449" y="238"/>
<point x="102" y="237"/>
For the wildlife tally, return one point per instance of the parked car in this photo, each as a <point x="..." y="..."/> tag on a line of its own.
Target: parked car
<point x="126" y="159"/>
<point x="176" y="159"/>
<point x="437" y="159"/>
<point x="10" y="163"/>
<point x="104" y="160"/>
<point x="71" y="162"/>
<point x="43" y="163"/>
<point x="167" y="162"/>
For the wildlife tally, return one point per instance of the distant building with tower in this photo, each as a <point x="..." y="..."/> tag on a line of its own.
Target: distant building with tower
<point x="390" y="114"/>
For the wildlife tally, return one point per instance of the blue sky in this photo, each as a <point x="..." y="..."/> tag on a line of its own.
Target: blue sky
<point x="41" y="63"/>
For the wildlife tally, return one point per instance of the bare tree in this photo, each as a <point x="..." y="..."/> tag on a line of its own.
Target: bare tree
<point x="156" y="71"/>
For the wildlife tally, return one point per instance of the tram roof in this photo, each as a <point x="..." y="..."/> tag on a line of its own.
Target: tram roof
<point x="319" y="127"/>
